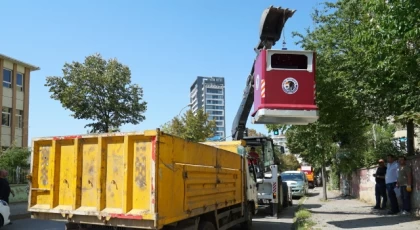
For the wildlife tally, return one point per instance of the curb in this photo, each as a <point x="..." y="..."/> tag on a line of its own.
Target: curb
<point x="294" y="227"/>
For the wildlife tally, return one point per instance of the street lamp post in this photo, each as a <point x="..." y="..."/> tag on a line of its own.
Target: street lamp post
<point x="189" y="105"/>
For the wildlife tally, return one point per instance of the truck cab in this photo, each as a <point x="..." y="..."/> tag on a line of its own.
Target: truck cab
<point x="273" y="193"/>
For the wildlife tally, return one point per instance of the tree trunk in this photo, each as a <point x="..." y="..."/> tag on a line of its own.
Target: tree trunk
<point x="324" y="182"/>
<point x="410" y="137"/>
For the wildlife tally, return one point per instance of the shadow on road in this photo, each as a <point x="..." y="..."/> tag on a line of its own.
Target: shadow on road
<point x="312" y="194"/>
<point x="342" y="198"/>
<point x="285" y="213"/>
<point x="372" y="222"/>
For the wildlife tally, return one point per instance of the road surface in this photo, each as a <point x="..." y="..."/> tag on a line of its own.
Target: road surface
<point x="260" y="222"/>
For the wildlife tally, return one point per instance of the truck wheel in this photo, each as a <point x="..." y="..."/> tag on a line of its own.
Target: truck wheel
<point x="285" y="190"/>
<point x="206" y="225"/>
<point x="247" y="225"/>
<point x="291" y="202"/>
<point x="274" y="209"/>
<point x="285" y="202"/>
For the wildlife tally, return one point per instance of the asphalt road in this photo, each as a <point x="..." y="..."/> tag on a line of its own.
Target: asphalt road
<point x="260" y="222"/>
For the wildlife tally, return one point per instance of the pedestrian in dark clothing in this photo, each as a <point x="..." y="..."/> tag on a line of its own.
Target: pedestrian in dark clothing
<point x="405" y="180"/>
<point x="4" y="186"/>
<point x="380" y="187"/>
<point x="391" y="183"/>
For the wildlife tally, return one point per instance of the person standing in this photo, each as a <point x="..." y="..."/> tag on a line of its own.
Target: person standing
<point x="404" y="182"/>
<point x="4" y="186"/>
<point x="391" y="182"/>
<point x="380" y="187"/>
<point x="254" y="156"/>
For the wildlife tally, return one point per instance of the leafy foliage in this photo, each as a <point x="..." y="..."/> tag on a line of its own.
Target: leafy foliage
<point x="13" y="157"/>
<point x="254" y="133"/>
<point x="99" y="90"/>
<point x="192" y="127"/>
<point x="288" y="162"/>
<point x="388" y="57"/>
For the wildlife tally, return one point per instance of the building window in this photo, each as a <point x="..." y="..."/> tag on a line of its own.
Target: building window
<point x="213" y="112"/>
<point x="214" y="107"/>
<point x="209" y="90"/>
<point x="217" y="118"/>
<point x="214" y="102"/>
<point x="19" y="118"/>
<point x="216" y="96"/>
<point x="5" y="116"/>
<point x="19" y="81"/>
<point x="7" y="78"/>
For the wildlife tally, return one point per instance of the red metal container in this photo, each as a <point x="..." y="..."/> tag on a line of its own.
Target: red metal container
<point x="284" y="88"/>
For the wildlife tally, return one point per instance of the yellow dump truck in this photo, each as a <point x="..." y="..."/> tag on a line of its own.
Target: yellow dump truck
<point x="141" y="180"/>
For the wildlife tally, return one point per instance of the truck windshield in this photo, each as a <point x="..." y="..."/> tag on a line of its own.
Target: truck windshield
<point x="268" y="153"/>
<point x="291" y="176"/>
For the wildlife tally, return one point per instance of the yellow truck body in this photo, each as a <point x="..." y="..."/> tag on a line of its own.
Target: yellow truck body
<point x="140" y="180"/>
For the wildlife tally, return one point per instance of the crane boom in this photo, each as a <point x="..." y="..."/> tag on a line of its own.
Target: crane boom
<point x="271" y="26"/>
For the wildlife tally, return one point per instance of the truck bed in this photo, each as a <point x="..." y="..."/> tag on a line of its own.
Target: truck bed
<point x="141" y="180"/>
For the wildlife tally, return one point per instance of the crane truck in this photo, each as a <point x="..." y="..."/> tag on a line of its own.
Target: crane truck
<point x="153" y="180"/>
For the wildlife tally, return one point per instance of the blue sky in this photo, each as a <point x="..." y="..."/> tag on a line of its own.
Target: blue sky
<point x="166" y="44"/>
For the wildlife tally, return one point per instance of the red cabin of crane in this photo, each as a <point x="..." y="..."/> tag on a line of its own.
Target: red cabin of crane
<point x="284" y="88"/>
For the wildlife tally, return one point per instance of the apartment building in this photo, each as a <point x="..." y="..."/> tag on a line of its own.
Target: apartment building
<point x="14" y="101"/>
<point x="209" y="93"/>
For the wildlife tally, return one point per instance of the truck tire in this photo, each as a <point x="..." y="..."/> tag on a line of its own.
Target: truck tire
<point x="206" y="225"/>
<point x="285" y="195"/>
<point x="247" y="225"/>
<point x="290" y="202"/>
<point x="274" y="207"/>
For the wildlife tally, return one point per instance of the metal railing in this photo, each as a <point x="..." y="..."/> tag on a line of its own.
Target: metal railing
<point x="17" y="175"/>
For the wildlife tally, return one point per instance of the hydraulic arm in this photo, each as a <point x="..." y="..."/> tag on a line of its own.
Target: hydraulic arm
<point x="271" y="26"/>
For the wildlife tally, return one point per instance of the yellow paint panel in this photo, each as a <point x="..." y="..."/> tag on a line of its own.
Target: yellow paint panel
<point x="198" y="177"/>
<point x="41" y="175"/>
<point x="68" y="180"/>
<point x="114" y="172"/>
<point x="141" y="180"/>
<point x="207" y="186"/>
<point x="91" y="174"/>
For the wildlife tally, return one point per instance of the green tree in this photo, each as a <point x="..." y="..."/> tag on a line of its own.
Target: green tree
<point x="192" y="127"/>
<point x="14" y="157"/>
<point x="388" y="59"/>
<point x="99" y="90"/>
<point x="288" y="162"/>
<point x="315" y="145"/>
<point x="254" y="133"/>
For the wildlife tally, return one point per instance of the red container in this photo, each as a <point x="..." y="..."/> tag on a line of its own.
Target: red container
<point x="284" y="88"/>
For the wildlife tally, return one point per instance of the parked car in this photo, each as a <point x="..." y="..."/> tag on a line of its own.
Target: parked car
<point x="4" y="213"/>
<point x="297" y="182"/>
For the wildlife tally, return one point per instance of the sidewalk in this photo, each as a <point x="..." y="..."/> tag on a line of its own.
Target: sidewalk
<point x="19" y="211"/>
<point x="345" y="213"/>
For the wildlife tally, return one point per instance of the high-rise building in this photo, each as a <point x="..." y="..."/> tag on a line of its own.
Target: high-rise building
<point x="208" y="93"/>
<point x="14" y="101"/>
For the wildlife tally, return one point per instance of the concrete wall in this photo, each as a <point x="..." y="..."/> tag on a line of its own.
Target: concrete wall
<point x="362" y="184"/>
<point x="21" y="193"/>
